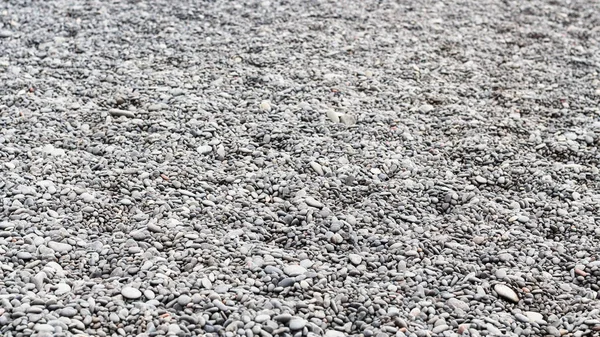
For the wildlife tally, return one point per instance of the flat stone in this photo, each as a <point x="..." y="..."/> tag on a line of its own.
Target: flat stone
<point x="310" y="201"/>
<point x="131" y="293"/>
<point x="506" y="293"/>
<point x="138" y="235"/>
<point x="425" y="108"/>
<point x="534" y="316"/>
<point x="440" y="328"/>
<point x="68" y="312"/>
<point x="62" y="288"/>
<point x="287" y="282"/>
<point x="297" y="323"/>
<point x="265" y="106"/>
<point x="455" y="303"/>
<point x="24" y="255"/>
<point x="294" y="270"/>
<point x="355" y="259"/>
<point x="43" y="328"/>
<point x="59" y="246"/>
<point x="347" y="120"/>
<point x="334" y="333"/>
<point x="553" y="331"/>
<point x="184" y="300"/>
<point x="86" y="197"/>
<point x="336" y="238"/>
<point x="204" y="149"/>
<point x="333" y="116"/>
<point x="283" y="318"/>
<point x="317" y="167"/>
<point x="478" y="239"/>
<point x="261" y="318"/>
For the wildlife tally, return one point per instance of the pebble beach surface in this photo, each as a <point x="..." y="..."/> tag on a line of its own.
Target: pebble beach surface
<point x="299" y="168"/>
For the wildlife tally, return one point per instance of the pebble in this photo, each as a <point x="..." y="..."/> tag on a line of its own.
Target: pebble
<point x="119" y="112"/>
<point x="506" y="293"/>
<point x="534" y="316"/>
<point x="261" y="318"/>
<point x="553" y="331"/>
<point x="297" y="323"/>
<point x="355" y="259"/>
<point x="184" y="300"/>
<point x="426" y="108"/>
<point x="478" y="239"/>
<point x="62" y="288"/>
<point x="265" y="106"/>
<point x="131" y="293"/>
<point x="204" y="149"/>
<point x="68" y="312"/>
<point x="333" y="116"/>
<point x="4" y="33"/>
<point x="60" y="247"/>
<point x="294" y="270"/>
<point x="317" y="168"/>
<point x="24" y="255"/>
<point x="310" y="201"/>
<point x="336" y="238"/>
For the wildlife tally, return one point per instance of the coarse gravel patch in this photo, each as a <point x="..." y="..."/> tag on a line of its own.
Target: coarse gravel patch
<point x="299" y="168"/>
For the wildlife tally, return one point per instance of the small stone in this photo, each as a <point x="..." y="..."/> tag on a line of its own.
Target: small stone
<point x="310" y="201"/>
<point x="184" y="300"/>
<point x="119" y="113"/>
<point x="51" y="150"/>
<point x="297" y="323"/>
<point x="221" y="151"/>
<point x="534" y="316"/>
<point x="261" y="318"/>
<point x="68" y="312"/>
<point x="24" y="255"/>
<point x="553" y="331"/>
<point x="62" y="288"/>
<point x="336" y="238"/>
<point x="154" y="107"/>
<point x="425" y="108"/>
<point x="334" y="333"/>
<point x="347" y="120"/>
<point x="206" y="283"/>
<point x="333" y="116"/>
<point x="204" y="149"/>
<point x="455" y="303"/>
<point x="440" y="328"/>
<point x="317" y="168"/>
<point x="283" y="318"/>
<point x="149" y="294"/>
<point x="506" y="293"/>
<point x="355" y="259"/>
<point x="287" y="282"/>
<point x="138" y="235"/>
<point x="59" y="246"/>
<point x="265" y="106"/>
<point x="493" y="330"/>
<point x="478" y="239"/>
<point x="4" y="33"/>
<point x="294" y="270"/>
<point x="131" y="293"/>
<point x="43" y="328"/>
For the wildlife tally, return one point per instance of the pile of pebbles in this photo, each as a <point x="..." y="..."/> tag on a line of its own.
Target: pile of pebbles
<point x="305" y="168"/>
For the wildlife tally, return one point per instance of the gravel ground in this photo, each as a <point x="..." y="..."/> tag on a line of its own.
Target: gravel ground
<point x="303" y="168"/>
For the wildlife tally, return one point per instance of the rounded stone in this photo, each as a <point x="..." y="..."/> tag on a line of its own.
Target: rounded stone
<point x="131" y="293"/>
